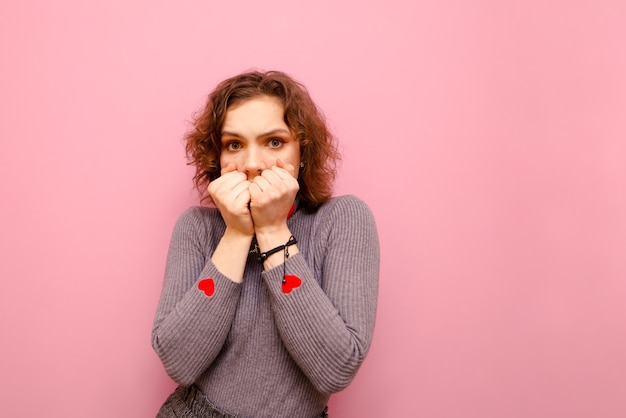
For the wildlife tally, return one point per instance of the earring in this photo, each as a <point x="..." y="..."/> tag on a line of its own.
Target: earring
<point x="302" y="164"/>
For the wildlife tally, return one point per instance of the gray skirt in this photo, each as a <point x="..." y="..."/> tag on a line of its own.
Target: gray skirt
<point x="190" y="402"/>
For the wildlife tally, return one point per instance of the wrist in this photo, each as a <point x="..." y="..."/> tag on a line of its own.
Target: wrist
<point x="267" y="242"/>
<point x="269" y="237"/>
<point x="284" y="247"/>
<point x="238" y="241"/>
<point x="237" y="234"/>
<point x="231" y="254"/>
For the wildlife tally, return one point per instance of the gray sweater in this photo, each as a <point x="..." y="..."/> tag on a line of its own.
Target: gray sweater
<point x="254" y="350"/>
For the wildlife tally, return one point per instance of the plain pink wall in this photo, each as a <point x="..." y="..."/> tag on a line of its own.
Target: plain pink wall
<point x="488" y="137"/>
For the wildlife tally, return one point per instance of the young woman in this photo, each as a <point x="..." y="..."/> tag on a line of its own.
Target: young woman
<point x="269" y="297"/>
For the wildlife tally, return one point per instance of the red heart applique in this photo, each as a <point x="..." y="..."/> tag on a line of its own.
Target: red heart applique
<point x="207" y="286"/>
<point x="290" y="283"/>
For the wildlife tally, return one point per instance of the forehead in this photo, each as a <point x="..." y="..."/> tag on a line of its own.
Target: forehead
<point x="260" y="112"/>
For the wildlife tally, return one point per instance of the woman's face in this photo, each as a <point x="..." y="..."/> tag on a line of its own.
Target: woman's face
<point x="255" y="135"/>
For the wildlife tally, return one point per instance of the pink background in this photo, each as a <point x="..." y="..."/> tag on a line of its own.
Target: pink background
<point x="489" y="138"/>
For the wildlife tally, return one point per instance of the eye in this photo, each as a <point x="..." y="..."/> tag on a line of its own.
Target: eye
<point x="275" y="143"/>
<point x="233" y="146"/>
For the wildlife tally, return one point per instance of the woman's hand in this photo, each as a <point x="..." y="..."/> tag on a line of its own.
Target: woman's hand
<point x="271" y="197"/>
<point x="230" y="193"/>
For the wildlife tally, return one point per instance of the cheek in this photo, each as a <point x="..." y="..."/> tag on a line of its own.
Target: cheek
<point x="227" y="159"/>
<point x="295" y="161"/>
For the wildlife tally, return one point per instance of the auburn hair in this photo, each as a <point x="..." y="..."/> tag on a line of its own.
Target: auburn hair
<point x="318" y="149"/>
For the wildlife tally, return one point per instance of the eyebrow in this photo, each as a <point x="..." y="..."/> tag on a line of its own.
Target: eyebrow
<point x="272" y="132"/>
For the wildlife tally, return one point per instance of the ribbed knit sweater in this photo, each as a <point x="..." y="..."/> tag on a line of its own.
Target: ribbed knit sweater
<point x="252" y="349"/>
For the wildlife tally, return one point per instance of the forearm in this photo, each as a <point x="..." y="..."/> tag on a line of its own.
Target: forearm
<point x="191" y="322"/>
<point x="327" y="322"/>
<point x="328" y="345"/>
<point x="189" y="335"/>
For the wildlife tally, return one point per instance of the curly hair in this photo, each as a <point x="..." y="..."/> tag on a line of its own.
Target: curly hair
<point x="318" y="149"/>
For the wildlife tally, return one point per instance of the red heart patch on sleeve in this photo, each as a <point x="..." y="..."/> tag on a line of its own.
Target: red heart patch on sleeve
<point x="290" y="283"/>
<point x="207" y="286"/>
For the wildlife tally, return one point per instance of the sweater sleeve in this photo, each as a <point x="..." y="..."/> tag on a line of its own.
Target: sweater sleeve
<point x="327" y="327"/>
<point x="192" y="320"/>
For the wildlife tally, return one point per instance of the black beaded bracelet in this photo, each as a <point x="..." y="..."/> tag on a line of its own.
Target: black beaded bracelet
<point x="263" y="256"/>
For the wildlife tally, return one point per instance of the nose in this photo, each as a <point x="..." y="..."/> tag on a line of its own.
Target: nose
<point x="252" y="163"/>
